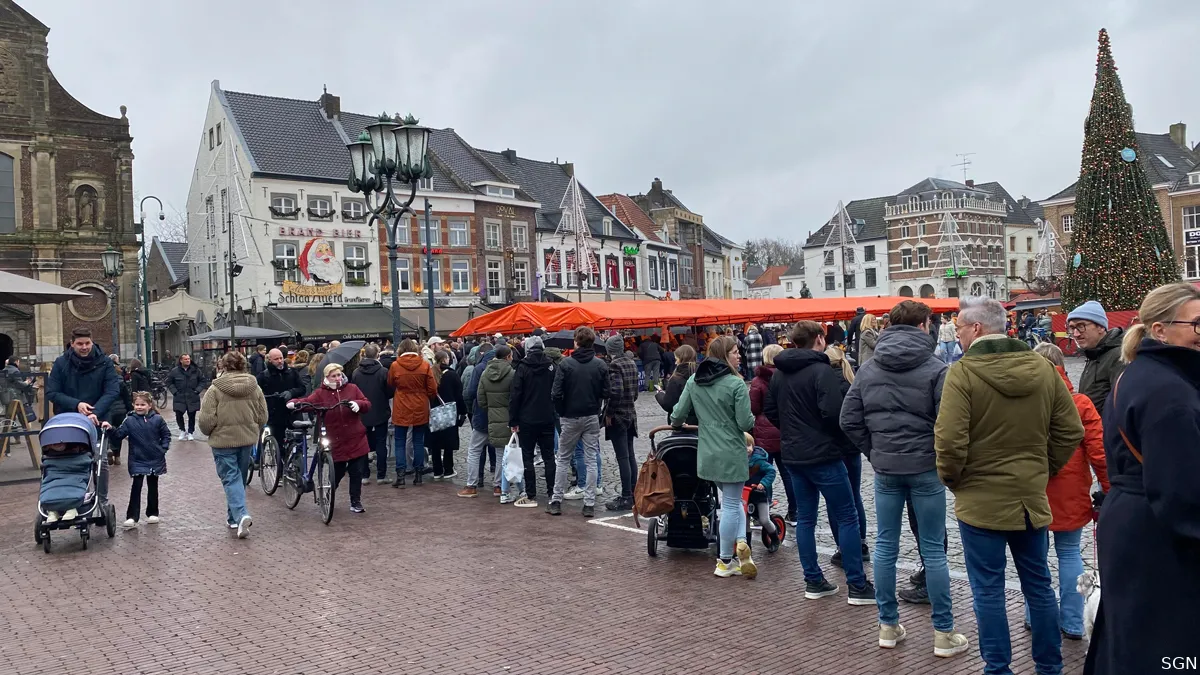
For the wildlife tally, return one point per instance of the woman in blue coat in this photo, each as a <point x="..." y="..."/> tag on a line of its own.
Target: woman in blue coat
<point x="1149" y="530"/>
<point x="149" y="439"/>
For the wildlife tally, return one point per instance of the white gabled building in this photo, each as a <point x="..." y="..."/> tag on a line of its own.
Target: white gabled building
<point x="847" y="257"/>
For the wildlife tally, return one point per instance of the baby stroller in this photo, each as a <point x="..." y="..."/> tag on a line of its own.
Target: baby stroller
<point x="70" y="474"/>
<point x="693" y="521"/>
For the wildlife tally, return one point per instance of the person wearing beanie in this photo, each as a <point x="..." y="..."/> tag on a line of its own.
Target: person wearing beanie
<point x="620" y="418"/>
<point x="531" y="416"/>
<point x="1087" y="324"/>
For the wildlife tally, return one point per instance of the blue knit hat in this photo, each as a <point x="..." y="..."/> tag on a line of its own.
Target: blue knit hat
<point x="1090" y="311"/>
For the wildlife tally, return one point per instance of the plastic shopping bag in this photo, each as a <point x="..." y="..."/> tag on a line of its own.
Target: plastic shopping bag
<point x="514" y="463"/>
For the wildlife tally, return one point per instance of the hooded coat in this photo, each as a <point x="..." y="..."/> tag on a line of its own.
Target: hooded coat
<point x="530" y="405"/>
<point x="281" y="385"/>
<point x="149" y="439"/>
<point x="804" y="401"/>
<point x="493" y="396"/>
<point x="718" y="396"/>
<point x="233" y="411"/>
<point x="891" y="408"/>
<point x="580" y="384"/>
<point x="1070" y="490"/>
<point x="450" y="390"/>
<point x="185" y="385"/>
<point x="479" y="421"/>
<point x="74" y="380"/>
<point x="371" y="378"/>
<point x="1007" y="423"/>
<point x="412" y="383"/>
<point x="766" y="436"/>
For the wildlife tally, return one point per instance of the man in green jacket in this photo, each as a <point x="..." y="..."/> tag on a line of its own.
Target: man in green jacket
<point x="1006" y="424"/>
<point x="495" y="389"/>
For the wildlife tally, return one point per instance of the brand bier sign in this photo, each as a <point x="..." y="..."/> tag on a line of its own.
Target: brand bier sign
<point x="318" y="232"/>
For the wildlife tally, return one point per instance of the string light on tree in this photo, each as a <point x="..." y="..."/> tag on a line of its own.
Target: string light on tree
<point x="1120" y="249"/>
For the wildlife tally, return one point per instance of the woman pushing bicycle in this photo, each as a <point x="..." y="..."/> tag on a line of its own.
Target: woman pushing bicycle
<point x="346" y="433"/>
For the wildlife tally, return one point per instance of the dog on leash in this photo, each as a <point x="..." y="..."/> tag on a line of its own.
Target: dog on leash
<point x="1088" y="586"/>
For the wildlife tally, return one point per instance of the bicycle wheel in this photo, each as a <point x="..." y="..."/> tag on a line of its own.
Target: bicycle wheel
<point x="249" y="475"/>
<point x="293" y="473"/>
<point x="323" y="485"/>
<point x="160" y="399"/>
<point x="269" y="463"/>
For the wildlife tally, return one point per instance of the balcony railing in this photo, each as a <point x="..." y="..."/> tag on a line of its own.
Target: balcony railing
<point x="999" y="208"/>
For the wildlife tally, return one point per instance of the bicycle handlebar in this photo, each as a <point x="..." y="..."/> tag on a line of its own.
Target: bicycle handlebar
<point x="309" y="407"/>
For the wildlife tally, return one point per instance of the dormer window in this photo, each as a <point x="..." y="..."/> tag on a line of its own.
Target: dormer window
<point x="425" y="184"/>
<point x="1165" y="162"/>
<point x="505" y="192"/>
<point x="607" y="227"/>
<point x="1194" y="178"/>
<point x="914" y="200"/>
<point x="947" y="195"/>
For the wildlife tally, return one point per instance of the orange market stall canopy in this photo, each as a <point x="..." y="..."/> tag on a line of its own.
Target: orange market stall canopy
<point x="524" y="317"/>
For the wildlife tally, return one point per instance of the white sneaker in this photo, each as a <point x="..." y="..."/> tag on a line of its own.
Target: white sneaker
<point x="573" y="493"/>
<point x="153" y="520"/>
<point x="51" y="517"/>
<point x="243" y="526"/>
<point x="538" y="461"/>
<point x="448" y="476"/>
<point x="504" y="499"/>
<point x="233" y="526"/>
<point x="129" y="524"/>
<point x="599" y="489"/>
<point x="190" y="437"/>
<point x="183" y="435"/>
<point x="70" y="515"/>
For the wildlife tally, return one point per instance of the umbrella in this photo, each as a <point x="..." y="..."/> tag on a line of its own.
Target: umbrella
<point x="240" y="333"/>
<point x="18" y="290"/>
<point x="565" y="339"/>
<point x="343" y="353"/>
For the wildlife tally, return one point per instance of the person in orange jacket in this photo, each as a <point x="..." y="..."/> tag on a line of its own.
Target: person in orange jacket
<point x="411" y="377"/>
<point x="1069" y="492"/>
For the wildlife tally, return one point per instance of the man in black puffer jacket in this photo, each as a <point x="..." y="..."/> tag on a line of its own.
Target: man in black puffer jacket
<point x="804" y="401"/>
<point x="580" y="387"/>
<point x="279" y="384"/>
<point x="531" y="415"/>
<point x="371" y="378"/>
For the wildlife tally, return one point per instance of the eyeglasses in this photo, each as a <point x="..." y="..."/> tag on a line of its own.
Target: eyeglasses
<point x="1194" y="324"/>
<point x="1078" y="328"/>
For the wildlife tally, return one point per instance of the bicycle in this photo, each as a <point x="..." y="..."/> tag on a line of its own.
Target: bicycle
<point x="1035" y="336"/>
<point x="299" y="474"/>
<point x="266" y="458"/>
<point x="158" y="389"/>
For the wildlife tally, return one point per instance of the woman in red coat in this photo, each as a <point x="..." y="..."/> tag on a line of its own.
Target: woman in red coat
<point x="346" y="433"/>
<point x="1069" y="492"/>
<point x="766" y="435"/>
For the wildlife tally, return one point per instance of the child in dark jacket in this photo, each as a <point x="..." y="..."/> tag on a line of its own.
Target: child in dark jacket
<point x="149" y="439"/>
<point x="761" y="480"/>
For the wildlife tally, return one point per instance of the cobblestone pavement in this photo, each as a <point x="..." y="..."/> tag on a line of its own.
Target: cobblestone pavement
<point x="422" y="583"/>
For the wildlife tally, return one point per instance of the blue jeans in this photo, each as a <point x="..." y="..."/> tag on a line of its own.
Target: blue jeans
<point x="854" y="473"/>
<point x="782" y="470"/>
<point x="232" y="464"/>
<point x="928" y="497"/>
<point x="580" y="468"/>
<point x="732" y="523"/>
<point x="1070" y="566"/>
<point x="830" y="480"/>
<point x="983" y="551"/>
<point x="418" y="455"/>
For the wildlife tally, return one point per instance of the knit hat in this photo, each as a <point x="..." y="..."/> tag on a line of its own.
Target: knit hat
<point x="615" y="346"/>
<point x="534" y="343"/>
<point x="1090" y="311"/>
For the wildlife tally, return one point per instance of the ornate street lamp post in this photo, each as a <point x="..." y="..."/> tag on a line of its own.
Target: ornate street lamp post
<point x="385" y="151"/>
<point x="114" y="267"/>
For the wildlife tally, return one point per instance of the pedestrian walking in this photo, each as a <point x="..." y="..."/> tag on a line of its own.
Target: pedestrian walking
<point x="1006" y="424"/>
<point x="853" y="461"/>
<point x="854" y="334"/>
<point x="372" y="380"/>
<point x="868" y="337"/>
<point x="412" y="383"/>
<point x="442" y="444"/>
<point x="344" y="428"/>
<point x="804" y="401"/>
<point x="186" y="382"/>
<point x="651" y="354"/>
<point x="1149" y="529"/>
<point x="232" y="415"/>
<point x="620" y="420"/>
<point x="279" y="384"/>
<point x="531" y="416"/>
<point x="149" y="439"/>
<point x="754" y="350"/>
<point x="139" y="378"/>
<point x="1087" y="324"/>
<point x="580" y="388"/>
<point x="721" y="400"/>
<point x="1070" y="495"/>
<point x="948" y="339"/>
<point x="889" y="415"/>
<point x="493" y="396"/>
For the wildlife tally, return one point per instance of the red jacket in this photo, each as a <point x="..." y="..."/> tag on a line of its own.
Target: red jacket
<point x="1070" y="490"/>
<point x="766" y="436"/>
<point x="412" y="379"/>
<point x="347" y="435"/>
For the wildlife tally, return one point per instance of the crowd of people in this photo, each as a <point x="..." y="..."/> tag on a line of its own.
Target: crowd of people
<point x="956" y="403"/>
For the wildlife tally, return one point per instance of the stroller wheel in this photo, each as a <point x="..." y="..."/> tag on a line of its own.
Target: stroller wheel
<point x="652" y="538"/>
<point x="83" y="536"/>
<point x="110" y="521"/>
<point x="46" y="542"/>
<point x="37" y="529"/>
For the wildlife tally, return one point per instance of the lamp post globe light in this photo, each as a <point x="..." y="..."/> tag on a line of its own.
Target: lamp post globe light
<point x="388" y="153"/>
<point x="114" y="267"/>
<point x="141" y="229"/>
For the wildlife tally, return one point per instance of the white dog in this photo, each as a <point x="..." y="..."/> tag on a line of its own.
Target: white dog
<point x="1088" y="586"/>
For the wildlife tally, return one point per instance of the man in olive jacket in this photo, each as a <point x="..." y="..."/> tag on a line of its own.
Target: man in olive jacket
<point x="494" y="394"/>
<point x="1006" y="424"/>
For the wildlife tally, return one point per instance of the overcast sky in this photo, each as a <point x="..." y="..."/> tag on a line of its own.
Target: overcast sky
<point x="759" y="120"/>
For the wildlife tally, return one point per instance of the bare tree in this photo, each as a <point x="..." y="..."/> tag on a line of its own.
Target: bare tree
<point x="767" y="252"/>
<point x="173" y="227"/>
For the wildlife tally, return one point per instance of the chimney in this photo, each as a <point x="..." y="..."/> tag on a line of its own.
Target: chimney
<point x="1179" y="134"/>
<point x="332" y="105"/>
<point x="569" y="167"/>
<point x="510" y="155"/>
<point x="970" y="182"/>
<point x="656" y="186"/>
<point x="1024" y="201"/>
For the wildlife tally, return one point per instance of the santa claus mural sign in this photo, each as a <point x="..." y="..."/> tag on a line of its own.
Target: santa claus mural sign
<point x="321" y="274"/>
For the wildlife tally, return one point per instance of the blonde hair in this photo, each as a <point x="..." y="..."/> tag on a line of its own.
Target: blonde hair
<point x="749" y="439"/>
<point x="332" y="368"/>
<point x="869" y="322"/>
<point x="838" y="359"/>
<point x="1161" y="304"/>
<point x="770" y="352"/>
<point x="314" y="365"/>
<point x="1051" y="353"/>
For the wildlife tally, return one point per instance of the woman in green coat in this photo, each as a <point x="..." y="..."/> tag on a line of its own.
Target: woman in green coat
<point x="721" y="401"/>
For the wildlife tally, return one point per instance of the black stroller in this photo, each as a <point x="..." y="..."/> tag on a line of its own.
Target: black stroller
<point x="68" y="498"/>
<point x="693" y="521"/>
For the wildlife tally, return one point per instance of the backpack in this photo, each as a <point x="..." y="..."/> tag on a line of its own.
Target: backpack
<point x="653" y="495"/>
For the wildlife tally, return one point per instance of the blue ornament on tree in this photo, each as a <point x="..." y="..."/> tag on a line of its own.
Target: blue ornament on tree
<point x="1128" y="154"/>
<point x="1077" y="260"/>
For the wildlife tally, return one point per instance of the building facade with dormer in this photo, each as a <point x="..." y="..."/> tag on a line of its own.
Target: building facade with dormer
<point x="1173" y="170"/>
<point x="657" y="257"/>
<point x="66" y="195"/>
<point x="857" y="268"/>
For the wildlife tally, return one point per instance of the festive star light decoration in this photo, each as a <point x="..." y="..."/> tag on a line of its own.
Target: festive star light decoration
<point x="1120" y="245"/>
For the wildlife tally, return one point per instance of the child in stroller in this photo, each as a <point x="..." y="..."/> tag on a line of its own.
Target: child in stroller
<point x="71" y="456"/>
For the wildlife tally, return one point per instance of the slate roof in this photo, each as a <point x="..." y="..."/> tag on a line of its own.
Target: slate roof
<point x="627" y="211"/>
<point x="868" y="210"/>
<point x="770" y="276"/>
<point x="796" y="269"/>
<point x="546" y="182"/>
<point x="1017" y="214"/>
<point x="1150" y="146"/>
<point x="753" y="272"/>
<point x="936" y="185"/>
<point x="173" y="253"/>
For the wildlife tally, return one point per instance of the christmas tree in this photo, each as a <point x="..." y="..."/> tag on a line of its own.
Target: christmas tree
<point x="1119" y="249"/>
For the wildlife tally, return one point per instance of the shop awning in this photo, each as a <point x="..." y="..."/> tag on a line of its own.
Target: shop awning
<point x="525" y="316"/>
<point x="447" y="319"/>
<point x="320" y="324"/>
